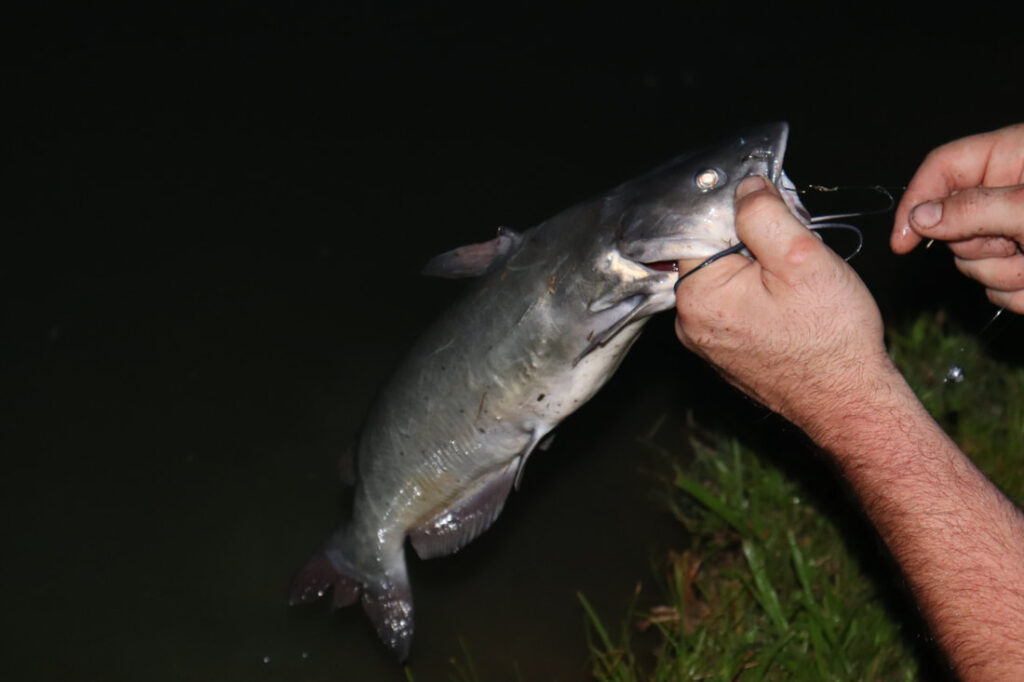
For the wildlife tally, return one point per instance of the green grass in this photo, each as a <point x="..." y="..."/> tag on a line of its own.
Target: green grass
<point x="782" y="579"/>
<point x="984" y="413"/>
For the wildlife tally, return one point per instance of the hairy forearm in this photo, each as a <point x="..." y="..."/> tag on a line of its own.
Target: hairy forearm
<point x="959" y="541"/>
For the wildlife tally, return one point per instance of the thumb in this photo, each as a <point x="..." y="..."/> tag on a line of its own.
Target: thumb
<point x="980" y="211"/>
<point x="771" y="232"/>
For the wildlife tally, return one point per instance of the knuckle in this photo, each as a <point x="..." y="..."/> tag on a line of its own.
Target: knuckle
<point x="801" y="248"/>
<point x="970" y="202"/>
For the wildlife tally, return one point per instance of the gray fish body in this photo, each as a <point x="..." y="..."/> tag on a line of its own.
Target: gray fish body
<point x="547" y="322"/>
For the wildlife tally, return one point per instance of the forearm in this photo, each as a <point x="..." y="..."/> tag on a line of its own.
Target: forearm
<point x="958" y="540"/>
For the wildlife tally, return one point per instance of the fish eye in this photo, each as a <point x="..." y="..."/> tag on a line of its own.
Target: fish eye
<point x="708" y="179"/>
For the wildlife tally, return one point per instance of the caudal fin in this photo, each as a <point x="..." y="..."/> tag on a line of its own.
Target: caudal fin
<point x="389" y="607"/>
<point x="317" y="577"/>
<point x="386" y="600"/>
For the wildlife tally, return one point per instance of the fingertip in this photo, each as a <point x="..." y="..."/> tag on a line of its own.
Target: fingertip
<point x="903" y="239"/>
<point x="749" y="185"/>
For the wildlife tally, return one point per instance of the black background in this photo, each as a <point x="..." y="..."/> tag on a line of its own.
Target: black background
<point x="212" y="222"/>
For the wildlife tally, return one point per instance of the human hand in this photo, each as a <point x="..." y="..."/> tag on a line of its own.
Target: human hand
<point x="796" y="329"/>
<point x="970" y="193"/>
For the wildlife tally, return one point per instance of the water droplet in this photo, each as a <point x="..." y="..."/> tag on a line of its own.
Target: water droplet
<point x="955" y="374"/>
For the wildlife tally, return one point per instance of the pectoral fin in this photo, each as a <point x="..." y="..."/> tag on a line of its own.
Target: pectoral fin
<point x="636" y="307"/>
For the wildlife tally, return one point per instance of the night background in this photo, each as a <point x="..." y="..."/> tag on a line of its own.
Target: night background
<point x="212" y="226"/>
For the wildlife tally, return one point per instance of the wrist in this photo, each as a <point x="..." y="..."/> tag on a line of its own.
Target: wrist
<point x="843" y="410"/>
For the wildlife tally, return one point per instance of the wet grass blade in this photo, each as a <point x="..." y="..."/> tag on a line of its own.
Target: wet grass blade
<point x="708" y="499"/>
<point x="766" y="595"/>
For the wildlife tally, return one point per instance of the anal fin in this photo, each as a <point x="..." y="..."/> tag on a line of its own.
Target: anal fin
<point x="472" y="514"/>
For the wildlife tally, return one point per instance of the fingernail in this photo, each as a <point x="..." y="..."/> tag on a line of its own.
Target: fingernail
<point x="926" y="215"/>
<point x="751" y="183"/>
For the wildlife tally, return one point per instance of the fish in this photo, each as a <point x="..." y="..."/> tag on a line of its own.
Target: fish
<point x="549" y="317"/>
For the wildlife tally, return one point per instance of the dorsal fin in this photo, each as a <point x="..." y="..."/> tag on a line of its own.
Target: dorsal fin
<point x="472" y="260"/>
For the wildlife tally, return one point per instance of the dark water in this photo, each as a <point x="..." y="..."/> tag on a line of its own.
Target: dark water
<point x="212" y="227"/>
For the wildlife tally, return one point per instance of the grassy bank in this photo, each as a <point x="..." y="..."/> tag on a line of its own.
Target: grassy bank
<point x="783" y="579"/>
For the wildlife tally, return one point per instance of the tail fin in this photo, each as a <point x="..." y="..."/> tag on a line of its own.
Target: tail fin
<point x="386" y="599"/>
<point x="318" y="576"/>
<point x="389" y="607"/>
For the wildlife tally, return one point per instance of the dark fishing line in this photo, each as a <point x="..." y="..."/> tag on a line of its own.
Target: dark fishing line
<point x="735" y="248"/>
<point x="739" y="246"/>
<point x="818" y="223"/>
<point x="954" y="373"/>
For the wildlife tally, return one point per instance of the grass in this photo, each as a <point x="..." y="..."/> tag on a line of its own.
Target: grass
<point x="782" y="579"/>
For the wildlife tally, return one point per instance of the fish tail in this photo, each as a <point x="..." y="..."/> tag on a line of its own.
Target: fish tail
<point x="317" y="577"/>
<point x="388" y="603"/>
<point x="386" y="596"/>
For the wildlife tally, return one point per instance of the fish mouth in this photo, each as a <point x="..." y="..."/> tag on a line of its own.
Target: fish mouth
<point x="772" y="150"/>
<point x="768" y="151"/>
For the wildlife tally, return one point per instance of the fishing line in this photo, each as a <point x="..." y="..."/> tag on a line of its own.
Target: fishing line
<point x="816" y="224"/>
<point x="739" y="246"/>
<point x="890" y="200"/>
<point x="955" y="372"/>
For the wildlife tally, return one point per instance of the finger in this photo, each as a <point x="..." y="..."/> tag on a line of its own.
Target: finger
<point x="1003" y="274"/>
<point x="1011" y="300"/>
<point x="705" y="294"/>
<point x="990" y="159"/>
<point x="956" y="165"/>
<point x="983" y="247"/>
<point x="982" y="211"/>
<point x="773" y="235"/>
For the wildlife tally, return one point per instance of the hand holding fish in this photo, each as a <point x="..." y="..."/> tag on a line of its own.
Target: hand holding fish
<point x="798" y="330"/>
<point x="970" y="193"/>
<point x="789" y="327"/>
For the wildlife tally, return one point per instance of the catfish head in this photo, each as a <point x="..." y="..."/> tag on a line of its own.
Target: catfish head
<point x="684" y="208"/>
<point x="681" y="210"/>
